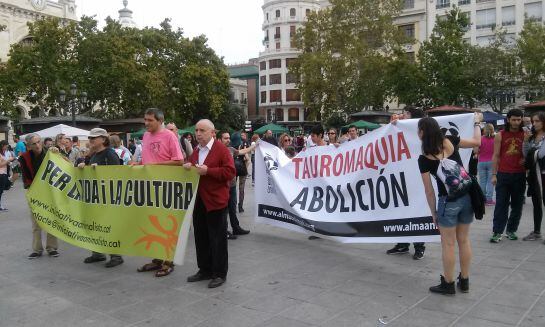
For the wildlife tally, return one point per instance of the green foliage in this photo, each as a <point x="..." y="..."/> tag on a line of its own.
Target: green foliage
<point x="345" y="49"/>
<point x="232" y="118"/>
<point x="123" y="70"/>
<point x="531" y="53"/>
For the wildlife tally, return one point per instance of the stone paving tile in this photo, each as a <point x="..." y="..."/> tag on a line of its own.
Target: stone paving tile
<point x="283" y="322"/>
<point x="417" y="317"/>
<point x="276" y="278"/>
<point x="474" y="322"/>
<point x="497" y="312"/>
<point x="309" y="313"/>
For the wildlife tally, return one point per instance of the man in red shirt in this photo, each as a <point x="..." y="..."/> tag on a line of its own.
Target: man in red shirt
<point x="215" y="165"/>
<point x="509" y="177"/>
<point x="160" y="147"/>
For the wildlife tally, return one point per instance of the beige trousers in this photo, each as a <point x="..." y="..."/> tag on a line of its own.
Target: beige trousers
<point x="50" y="243"/>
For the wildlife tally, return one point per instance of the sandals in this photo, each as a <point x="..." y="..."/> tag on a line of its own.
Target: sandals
<point x="155" y="264"/>
<point x="162" y="268"/>
<point x="165" y="270"/>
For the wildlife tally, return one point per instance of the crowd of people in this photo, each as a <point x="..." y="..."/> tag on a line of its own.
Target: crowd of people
<point x="504" y="162"/>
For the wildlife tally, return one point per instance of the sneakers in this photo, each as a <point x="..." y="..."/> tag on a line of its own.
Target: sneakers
<point x="53" y="253"/>
<point x="400" y="250"/>
<point x="34" y="255"/>
<point x="490" y="203"/>
<point x="444" y="288"/>
<point x="463" y="284"/>
<point x="533" y="236"/>
<point x="512" y="236"/>
<point x="418" y="254"/>
<point x="3" y="209"/>
<point x="496" y="238"/>
<point x="113" y="262"/>
<point x="230" y="236"/>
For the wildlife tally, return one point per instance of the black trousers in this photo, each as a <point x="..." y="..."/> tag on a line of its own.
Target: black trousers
<point x="538" y="202"/>
<point x="210" y="230"/>
<point x="417" y="245"/>
<point x="235" y="224"/>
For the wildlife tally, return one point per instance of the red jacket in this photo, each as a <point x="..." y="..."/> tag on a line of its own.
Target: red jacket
<point x="214" y="186"/>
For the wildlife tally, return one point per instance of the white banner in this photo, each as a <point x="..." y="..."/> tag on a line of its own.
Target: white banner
<point x="365" y="191"/>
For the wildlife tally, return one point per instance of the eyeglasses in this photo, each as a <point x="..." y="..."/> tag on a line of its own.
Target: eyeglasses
<point x="287" y="140"/>
<point x="331" y="133"/>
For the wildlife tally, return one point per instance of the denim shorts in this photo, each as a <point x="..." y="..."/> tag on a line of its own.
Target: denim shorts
<point x="454" y="212"/>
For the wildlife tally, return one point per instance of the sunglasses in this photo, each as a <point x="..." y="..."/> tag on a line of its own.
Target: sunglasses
<point x="331" y="133"/>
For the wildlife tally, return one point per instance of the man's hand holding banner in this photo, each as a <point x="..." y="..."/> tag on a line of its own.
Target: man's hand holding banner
<point x="139" y="210"/>
<point x="369" y="190"/>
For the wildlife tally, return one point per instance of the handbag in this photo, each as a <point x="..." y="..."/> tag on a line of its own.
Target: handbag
<point x="240" y="166"/>
<point x="478" y="199"/>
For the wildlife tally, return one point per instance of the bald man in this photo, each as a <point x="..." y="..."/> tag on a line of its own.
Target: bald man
<point x="215" y="165"/>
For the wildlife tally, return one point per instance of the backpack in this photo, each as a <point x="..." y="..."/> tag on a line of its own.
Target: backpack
<point x="455" y="178"/>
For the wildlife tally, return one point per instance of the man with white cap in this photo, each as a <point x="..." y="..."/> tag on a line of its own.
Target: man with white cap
<point x="103" y="154"/>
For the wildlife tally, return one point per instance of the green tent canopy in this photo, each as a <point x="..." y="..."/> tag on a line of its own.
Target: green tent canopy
<point x="190" y="129"/>
<point x="138" y="134"/>
<point x="276" y="129"/>
<point x="362" y="124"/>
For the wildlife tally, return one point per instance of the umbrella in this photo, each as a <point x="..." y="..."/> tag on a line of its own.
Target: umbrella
<point x="190" y="129"/>
<point x="492" y="117"/>
<point x="276" y="129"/>
<point x="138" y="134"/>
<point x="62" y="129"/>
<point x="362" y="124"/>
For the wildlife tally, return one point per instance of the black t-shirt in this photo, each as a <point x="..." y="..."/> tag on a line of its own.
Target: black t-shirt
<point x="105" y="157"/>
<point x="430" y="166"/>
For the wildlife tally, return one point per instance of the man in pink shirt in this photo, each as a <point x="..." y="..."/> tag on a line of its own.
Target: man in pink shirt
<point x="160" y="147"/>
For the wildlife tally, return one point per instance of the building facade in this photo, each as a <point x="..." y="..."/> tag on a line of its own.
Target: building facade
<point x="15" y="14"/>
<point x="279" y="99"/>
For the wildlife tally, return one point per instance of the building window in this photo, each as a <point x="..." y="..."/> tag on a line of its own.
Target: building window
<point x="411" y="57"/>
<point x="290" y="62"/>
<point x="293" y="95"/>
<point x="275" y="63"/>
<point x="464" y="2"/>
<point x="442" y="4"/>
<point x="486" y="18"/>
<point x="275" y="79"/>
<point x="275" y="96"/>
<point x="263" y="80"/>
<point x="508" y="17"/>
<point x="408" y="31"/>
<point x="263" y="65"/>
<point x="263" y="97"/>
<point x="279" y="114"/>
<point x="277" y="45"/>
<point x="533" y="11"/>
<point x="408" y="4"/>
<point x="267" y="16"/>
<point x="277" y="33"/>
<point x="292" y="12"/>
<point x="277" y="13"/>
<point x="291" y="78"/>
<point x="293" y="114"/>
<point x="292" y="31"/>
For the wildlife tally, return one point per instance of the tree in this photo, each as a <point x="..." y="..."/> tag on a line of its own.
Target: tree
<point x="344" y="52"/>
<point x="123" y="70"/>
<point x="531" y="55"/>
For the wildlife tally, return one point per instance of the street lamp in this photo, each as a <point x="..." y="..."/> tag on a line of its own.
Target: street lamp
<point x="73" y="100"/>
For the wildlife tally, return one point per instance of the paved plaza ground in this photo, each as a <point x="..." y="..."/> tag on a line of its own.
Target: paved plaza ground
<point x="276" y="278"/>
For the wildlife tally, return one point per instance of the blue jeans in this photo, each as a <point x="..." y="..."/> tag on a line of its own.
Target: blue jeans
<point x="454" y="212"/>
<point x="485" y="179"/>
<point x="510" y="189"/>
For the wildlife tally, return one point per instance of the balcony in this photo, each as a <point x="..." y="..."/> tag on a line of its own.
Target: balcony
<point x="442" y="4"/>
<point x="482" y="1"/>
<point x="277" y="36"/>
<point x="484" y="26"/>
<point x="464" y="2"/>
<point x="265" y="40"/>
<point x="508" y="23"/>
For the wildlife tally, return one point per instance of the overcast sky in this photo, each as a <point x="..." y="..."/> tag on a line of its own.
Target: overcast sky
<point x="233" y="27"/>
